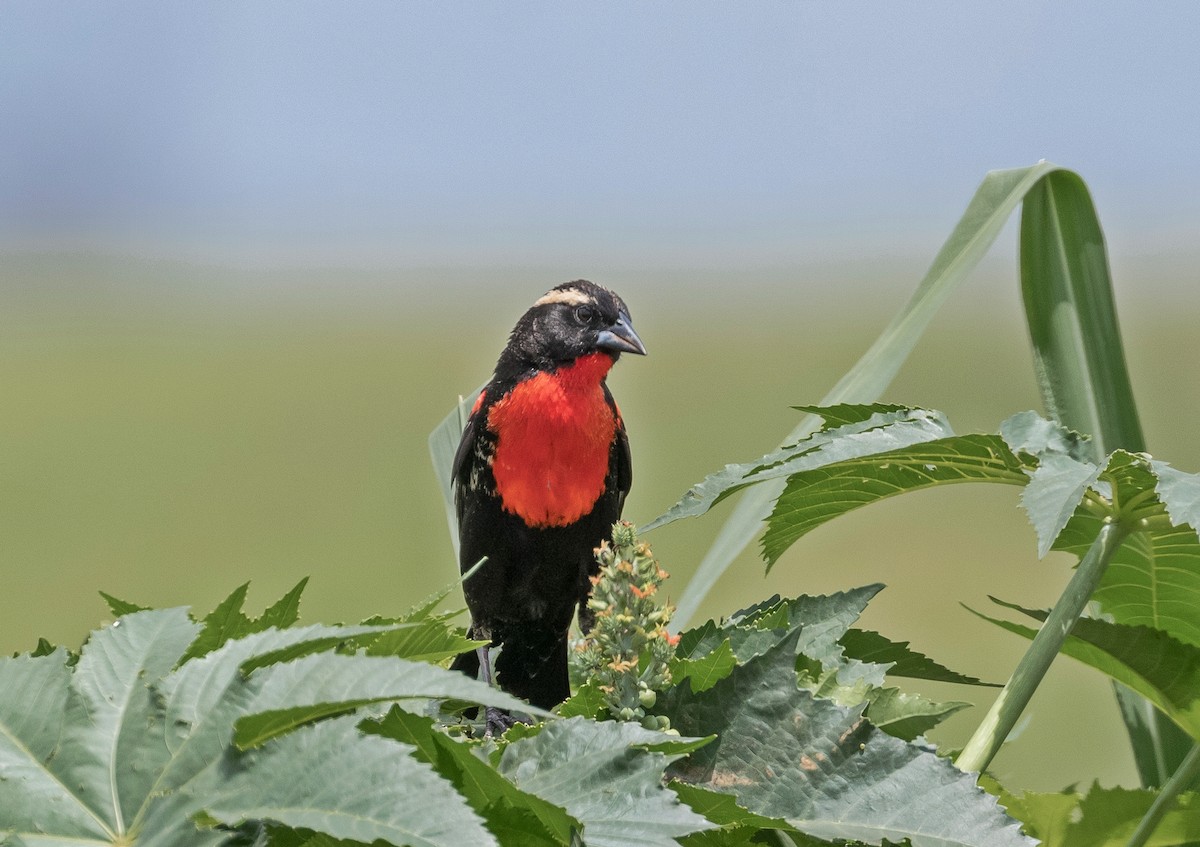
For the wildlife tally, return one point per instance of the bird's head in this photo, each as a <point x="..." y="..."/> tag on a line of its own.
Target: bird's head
<point x="569" y="321"/>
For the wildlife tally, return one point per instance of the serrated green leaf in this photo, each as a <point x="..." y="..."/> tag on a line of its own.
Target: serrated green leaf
<point x="300" y="781"/>
<point x="122" y="607"/>
<point x="424" y="609"/>
<point x="1061" y="478"/>
<point x="739" y="826"/>
<point x="338" y="639"/>
<point x="865" y="472"/>
<point x="286" y="837"/>
<point x="847" y="684"/>
<point x="112" y="742"/>
<point x="748" y="836"/>
<point x="1045" y="817"/>
<point x="119" y="740"/>
<point x="203" y="697"/>
<point x="515" y="816"/>
<point x="823" y="619"/>
<point x="1179" y="492"/>
<point x="290" y="694"/>
<point x="518" y="826"/>
<point x="1030" y="433"/>
<point x="1154" y="578"/>
<point x="33" y="697"/>
<point x="224" y="622"/>
<point x="1103" y="817"/>
<point x="600" y="773"/>
<point x="43" y="648"/>
<point x="868" y="646"/>
<point x="869" y="430"/>
<point x="587" y="702"/>
<point x="227" y="621"/>
<point x="697" y="642"/>
<point x="756" y="611"/>
<point x="723" y="809"/>
<point x="905" y="715"/>
<point x="785" y="754"/>
<point x="1108" y="817"/>
<point x="172" y="821"/>
<point x="846" y="414"/>
<point x="705" y="672"/>
<point x="708" y="653"/>
<point x="1162" y="669"/>
<point x="285" y="611"/>
<point x="745" y="641"/>
<point x="672" y="744"/>
<point x="422" y="641"/>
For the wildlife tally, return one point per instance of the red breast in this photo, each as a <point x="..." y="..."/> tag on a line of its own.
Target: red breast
<point x="554" y="432"/>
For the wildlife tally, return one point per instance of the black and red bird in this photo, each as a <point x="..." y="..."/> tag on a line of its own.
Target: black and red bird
<point x="540" y="477"/>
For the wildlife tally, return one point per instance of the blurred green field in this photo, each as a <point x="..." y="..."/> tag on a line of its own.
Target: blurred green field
<point x="170" y="431"/>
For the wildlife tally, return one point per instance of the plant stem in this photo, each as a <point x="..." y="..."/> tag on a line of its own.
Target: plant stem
<point x="1015" y="696"/>
<point x="1183" y="777"/>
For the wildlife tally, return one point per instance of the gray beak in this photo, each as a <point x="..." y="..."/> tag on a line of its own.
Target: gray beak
<point x="620" y="338"/>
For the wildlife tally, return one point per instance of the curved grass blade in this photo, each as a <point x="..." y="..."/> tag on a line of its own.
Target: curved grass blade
<point x="995" y="200"/>
<point x="443" y="444"/>
<point x="1084" y="381"/>
<point x="1078" y="356"/>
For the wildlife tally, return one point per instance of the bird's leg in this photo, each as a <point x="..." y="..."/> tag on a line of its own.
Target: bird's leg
<point x="496" y="720"/>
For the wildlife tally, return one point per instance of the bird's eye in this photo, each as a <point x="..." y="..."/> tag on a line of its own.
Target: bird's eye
<point x="585" y="314"/>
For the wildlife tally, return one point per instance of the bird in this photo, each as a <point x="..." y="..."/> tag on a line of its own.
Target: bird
<point x="540" y="475"/>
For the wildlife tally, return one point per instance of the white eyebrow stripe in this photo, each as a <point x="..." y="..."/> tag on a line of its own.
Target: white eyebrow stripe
<point x="569" y="296"/>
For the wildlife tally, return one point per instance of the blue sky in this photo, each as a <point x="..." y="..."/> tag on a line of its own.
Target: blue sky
<point x="665" y="132"/>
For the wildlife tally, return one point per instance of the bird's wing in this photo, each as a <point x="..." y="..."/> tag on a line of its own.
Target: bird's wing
<point x="459" y="471"/>
<point x="620" y="459"/>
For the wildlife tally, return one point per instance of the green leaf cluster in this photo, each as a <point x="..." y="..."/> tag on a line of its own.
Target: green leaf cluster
<point x="167" y="730"/>
<point x="236" y="730"/>
<point x="1147" y="588"/>
<point x="810" y="739"/>
<point x="863" y="454"/>
<point x="1103" y="817"/>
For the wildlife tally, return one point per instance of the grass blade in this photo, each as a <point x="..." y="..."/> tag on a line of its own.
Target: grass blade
<point x="1084" y="381"/>
<point x="443" y="444"/>
<point x="1065" y="281"/>
<point x="995" y="200"/>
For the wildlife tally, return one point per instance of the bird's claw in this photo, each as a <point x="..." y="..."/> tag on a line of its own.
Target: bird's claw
<point x="497" y="721"/>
